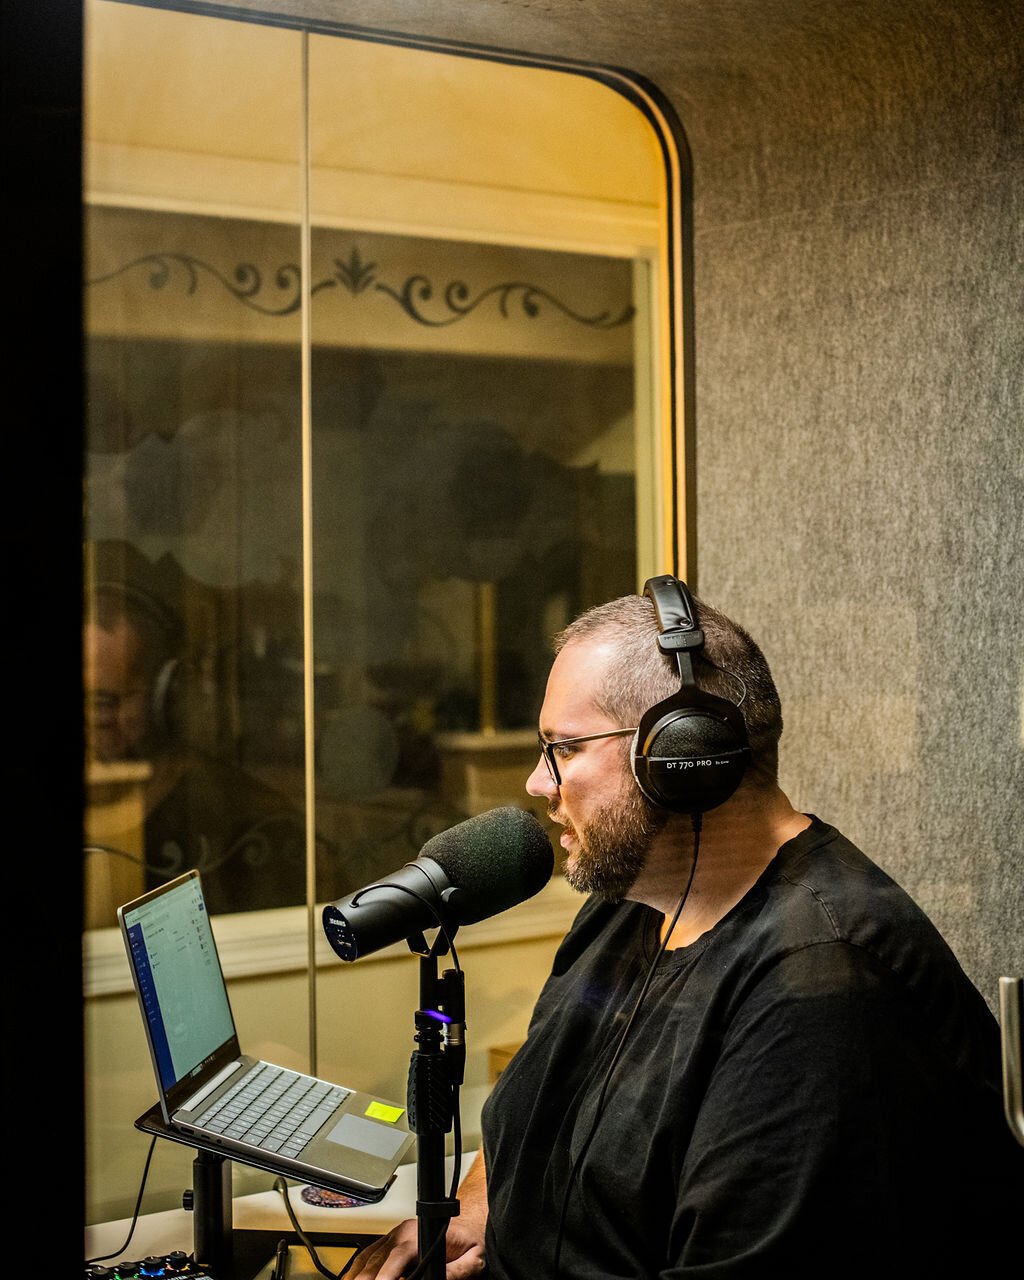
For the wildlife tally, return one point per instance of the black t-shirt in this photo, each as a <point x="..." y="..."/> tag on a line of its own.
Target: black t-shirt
<point x="812" y="1088"/>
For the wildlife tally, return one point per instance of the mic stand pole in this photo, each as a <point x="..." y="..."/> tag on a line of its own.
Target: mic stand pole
<point x="435" y="1071"/>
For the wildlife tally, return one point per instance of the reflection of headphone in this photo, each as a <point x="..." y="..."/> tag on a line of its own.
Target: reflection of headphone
<point x="167" y="698"/>
<point x="690" y="751"/>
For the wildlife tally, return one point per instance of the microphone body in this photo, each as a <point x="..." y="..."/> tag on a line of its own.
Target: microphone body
<point x="474" y="870"/>
<point x="389" y="910"/>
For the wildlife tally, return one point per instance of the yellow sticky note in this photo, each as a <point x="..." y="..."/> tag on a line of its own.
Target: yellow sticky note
<point x="381" y="1111"/>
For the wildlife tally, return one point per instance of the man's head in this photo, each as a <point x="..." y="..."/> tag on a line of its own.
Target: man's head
<point x="129" y="651"/>
<point x="608" y="671"/>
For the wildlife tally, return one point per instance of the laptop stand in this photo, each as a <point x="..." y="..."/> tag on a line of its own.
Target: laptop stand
<point x="229" y="1253"/>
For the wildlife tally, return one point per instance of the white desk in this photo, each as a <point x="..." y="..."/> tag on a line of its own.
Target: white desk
<point x="162" y="1233"/>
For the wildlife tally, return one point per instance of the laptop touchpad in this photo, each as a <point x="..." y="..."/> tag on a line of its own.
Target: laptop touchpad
<point x="367" y="1136"/>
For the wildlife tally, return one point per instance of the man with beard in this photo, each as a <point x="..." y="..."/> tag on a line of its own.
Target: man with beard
<point x="202" y="809"/>
<point x="754" y="1055"/>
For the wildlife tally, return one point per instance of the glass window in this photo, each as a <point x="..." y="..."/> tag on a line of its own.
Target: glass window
<point x="383" y="371"/>
<point x="193" y="497"/>
<point x="336" y="528"/>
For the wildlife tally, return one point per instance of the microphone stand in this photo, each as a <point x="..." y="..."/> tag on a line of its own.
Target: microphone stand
<point x="435" y="1074"/>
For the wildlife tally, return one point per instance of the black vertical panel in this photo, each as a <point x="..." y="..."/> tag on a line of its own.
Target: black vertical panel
<point x="40" y="82"/>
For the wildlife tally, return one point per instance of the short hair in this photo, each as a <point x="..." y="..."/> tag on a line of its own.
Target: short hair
<point x="731" y="665"/>
<point x="158" y="630"/>
<point x="123" y="585"/>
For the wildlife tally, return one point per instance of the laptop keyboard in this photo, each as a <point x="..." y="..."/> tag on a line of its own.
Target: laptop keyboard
<point x="274" y="1109"/>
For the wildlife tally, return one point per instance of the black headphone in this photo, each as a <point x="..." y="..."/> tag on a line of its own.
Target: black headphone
<point x="690" y="751"/>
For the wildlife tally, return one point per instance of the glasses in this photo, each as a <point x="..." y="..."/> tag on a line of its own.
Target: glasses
<point x="547" y="749"/>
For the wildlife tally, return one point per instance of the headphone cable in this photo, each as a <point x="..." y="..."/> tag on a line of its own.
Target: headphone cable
<point x="577" y="1163"/>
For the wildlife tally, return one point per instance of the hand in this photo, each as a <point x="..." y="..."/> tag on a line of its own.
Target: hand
<point x="396" y="1254"/>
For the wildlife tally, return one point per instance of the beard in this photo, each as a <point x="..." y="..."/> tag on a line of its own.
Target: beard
<point x="611" y="850"/>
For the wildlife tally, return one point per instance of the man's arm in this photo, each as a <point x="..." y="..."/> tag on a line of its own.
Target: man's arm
<point x="396" y="1254"/>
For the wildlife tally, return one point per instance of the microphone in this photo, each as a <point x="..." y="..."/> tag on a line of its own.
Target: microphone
<point x="471" y="871"/>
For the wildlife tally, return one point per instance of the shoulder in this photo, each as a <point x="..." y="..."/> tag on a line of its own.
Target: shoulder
<point x="826" y="919"/>
<point x="821" y="887"/>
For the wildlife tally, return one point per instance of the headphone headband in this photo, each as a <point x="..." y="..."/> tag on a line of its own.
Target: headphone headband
<point x="677" y="617"/>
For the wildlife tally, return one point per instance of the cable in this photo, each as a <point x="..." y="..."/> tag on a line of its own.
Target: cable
<point x="352" y="849"/>
<point x="441" y="1236"/>
<point x="281" y="1186"/>
<point x="577" y="1163"/>
<point x="254" y="831"/>
<point x="135" y="1215"/>
<point x="448" y="937"/>
<point x="731" y="674"/>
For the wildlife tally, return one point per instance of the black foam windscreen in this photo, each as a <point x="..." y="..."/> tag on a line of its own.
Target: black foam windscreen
<point x="496" y="860"/>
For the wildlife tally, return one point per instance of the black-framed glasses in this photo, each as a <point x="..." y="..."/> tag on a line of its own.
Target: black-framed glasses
<point x="547" y="749"/>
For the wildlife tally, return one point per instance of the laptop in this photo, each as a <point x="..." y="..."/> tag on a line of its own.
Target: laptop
<point x="214" y="1096"/>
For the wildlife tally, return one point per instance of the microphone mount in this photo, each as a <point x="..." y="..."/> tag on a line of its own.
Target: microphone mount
<point x="435" y="1076"/>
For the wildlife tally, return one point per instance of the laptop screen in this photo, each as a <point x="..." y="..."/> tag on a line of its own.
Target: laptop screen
<point x="180" y="985"/>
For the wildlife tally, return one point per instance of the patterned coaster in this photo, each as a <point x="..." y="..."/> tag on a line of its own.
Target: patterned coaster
<point x="329" y="1199"/>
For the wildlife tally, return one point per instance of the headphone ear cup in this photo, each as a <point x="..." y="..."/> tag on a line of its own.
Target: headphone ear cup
<point x="166" y="702"/>
<point x="689" y="754"/>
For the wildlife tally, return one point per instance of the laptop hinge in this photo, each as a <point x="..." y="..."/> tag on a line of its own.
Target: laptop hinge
<point x="191" y="1103"/>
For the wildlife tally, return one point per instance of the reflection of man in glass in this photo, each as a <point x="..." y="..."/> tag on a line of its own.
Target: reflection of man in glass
<point x="130" y="663"/>
<point x="200" y="809"/>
